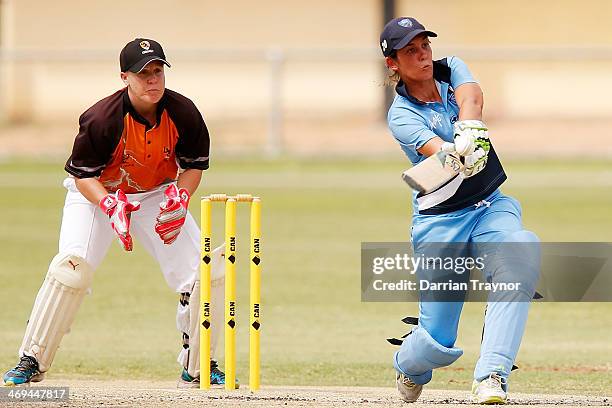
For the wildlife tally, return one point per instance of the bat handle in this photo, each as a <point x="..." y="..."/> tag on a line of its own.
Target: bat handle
<point x="447" y="147"/>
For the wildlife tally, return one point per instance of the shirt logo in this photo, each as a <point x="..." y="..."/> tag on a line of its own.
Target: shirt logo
<point x="451" y="96"/>
<point x="435" y="120"/>
<point x="405" y="22"/>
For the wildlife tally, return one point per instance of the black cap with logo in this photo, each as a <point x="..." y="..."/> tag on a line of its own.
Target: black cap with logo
<point x="138" y="53"/>
<point x="399" y="32"/>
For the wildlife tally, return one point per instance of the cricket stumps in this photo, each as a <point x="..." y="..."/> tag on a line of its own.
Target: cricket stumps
<point x="230" y="288"/>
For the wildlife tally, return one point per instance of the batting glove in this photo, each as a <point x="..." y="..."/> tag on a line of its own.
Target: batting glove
<point x="474" y="163"/>
<point x="118" y="209"/>
<point x="469" y="165"/>
<point x="452" y="159"/>
<point x="469" y="135"/>
<point x="172" y="213"/>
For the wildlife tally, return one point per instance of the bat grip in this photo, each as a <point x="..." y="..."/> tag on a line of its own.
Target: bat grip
<point x="447" y="147"/>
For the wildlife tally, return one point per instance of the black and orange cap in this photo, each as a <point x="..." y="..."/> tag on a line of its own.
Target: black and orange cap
<point x="138" y="53"/>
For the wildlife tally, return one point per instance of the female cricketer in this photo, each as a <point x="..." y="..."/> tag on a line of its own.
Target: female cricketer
<point x="438" y="106"/>
<point x="136" y="160"/>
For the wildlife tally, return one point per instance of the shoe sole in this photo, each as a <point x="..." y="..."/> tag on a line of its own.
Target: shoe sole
<point x="187" y="385"/>
<point x="12" y="384"/>
<point x="223" y="386"/>
<point x="490" y="401"/>
<point x="236" y="387"/>
<point x="35" y="378"/>
<point x="413" y="398"/>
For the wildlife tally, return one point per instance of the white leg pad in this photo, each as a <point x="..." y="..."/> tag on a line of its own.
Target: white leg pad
<point x="67" y="281"/>
<point x="217" y="297"/>
<point x="190" y="357"/>
<point x="217" y="314"/>
<point x="193" y="352"/>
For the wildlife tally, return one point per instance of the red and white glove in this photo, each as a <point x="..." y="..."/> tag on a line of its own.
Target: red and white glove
<point x="118" y="209"/>
<point x="172" y="213"/>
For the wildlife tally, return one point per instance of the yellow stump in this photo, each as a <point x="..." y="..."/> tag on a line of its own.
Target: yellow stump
<point x="230" y="294"/>
<point x="205" y="289"/>
<point x="255" y="294"/>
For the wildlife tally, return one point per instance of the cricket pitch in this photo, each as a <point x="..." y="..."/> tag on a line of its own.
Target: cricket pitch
<point x="91" y="393"/>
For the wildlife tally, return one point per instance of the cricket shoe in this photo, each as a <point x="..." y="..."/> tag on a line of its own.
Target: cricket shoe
<point x="217" y="378"/>
<point x="490" y="390"/>
<point x="409" y="391"/>
<point x="24" y="373"/>
<point x="187" y="381"/>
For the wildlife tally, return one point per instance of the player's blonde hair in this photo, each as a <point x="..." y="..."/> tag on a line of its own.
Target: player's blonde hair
<point x="392" y="78"/>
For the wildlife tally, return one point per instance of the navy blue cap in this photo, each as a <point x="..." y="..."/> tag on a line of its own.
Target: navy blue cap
<point x="399" y="32"/>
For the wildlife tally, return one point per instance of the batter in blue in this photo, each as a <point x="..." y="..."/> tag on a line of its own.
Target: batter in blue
<point x="439" y="102"/>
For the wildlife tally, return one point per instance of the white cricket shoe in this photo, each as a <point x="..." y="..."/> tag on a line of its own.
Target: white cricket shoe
<point x="490" y="390"/>
<point x="409" y="391"/>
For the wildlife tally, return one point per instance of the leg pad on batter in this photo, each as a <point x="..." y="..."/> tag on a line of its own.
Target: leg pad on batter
<point x="188" y="317"/>
<point x="420" y="354"/>
<point x="67" y="281"/>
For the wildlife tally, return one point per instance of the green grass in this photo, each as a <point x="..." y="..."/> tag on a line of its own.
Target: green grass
<point x="316" y="212"/>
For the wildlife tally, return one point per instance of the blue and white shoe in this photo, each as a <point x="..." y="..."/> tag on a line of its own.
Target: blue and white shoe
<point x="25" y="372"/>
<point x="217" y="378"/>
<point x="187" y="381"/>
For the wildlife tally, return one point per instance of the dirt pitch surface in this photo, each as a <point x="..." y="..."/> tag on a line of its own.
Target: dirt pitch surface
<point x="165" y="394"/>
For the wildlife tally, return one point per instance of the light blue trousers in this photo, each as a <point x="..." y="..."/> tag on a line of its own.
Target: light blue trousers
<point x="432" y="343"/>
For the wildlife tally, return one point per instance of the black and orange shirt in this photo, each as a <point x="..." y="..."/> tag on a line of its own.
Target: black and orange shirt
<point x="125" y="152"/>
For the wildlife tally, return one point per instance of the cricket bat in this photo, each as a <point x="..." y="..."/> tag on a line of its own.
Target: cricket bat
<point x="433" y="172"/>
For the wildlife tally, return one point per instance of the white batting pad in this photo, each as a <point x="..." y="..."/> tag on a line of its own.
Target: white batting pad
<point x="217" y="297"/>
<point x="190" y="358"/>
<point x="67" y="281"/>
<point x="217" y="315"/>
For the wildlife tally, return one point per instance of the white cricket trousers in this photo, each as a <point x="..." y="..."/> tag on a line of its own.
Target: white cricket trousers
<point x="86" y="232"/>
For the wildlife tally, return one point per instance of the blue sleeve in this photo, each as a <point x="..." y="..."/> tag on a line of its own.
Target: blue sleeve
<point x="409" y="128"/>
<point x="460" y="74"/>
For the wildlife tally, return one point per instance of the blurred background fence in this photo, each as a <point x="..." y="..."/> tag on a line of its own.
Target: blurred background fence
<point x="274" y="78"/>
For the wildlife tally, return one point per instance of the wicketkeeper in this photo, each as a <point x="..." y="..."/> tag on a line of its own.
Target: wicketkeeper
<point x="439" y="103"/>
<point x="136" y="161"/>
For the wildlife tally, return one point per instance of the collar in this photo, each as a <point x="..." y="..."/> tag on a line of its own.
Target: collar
<point x="128" y="107"/>
<point x="441" y="73"/>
